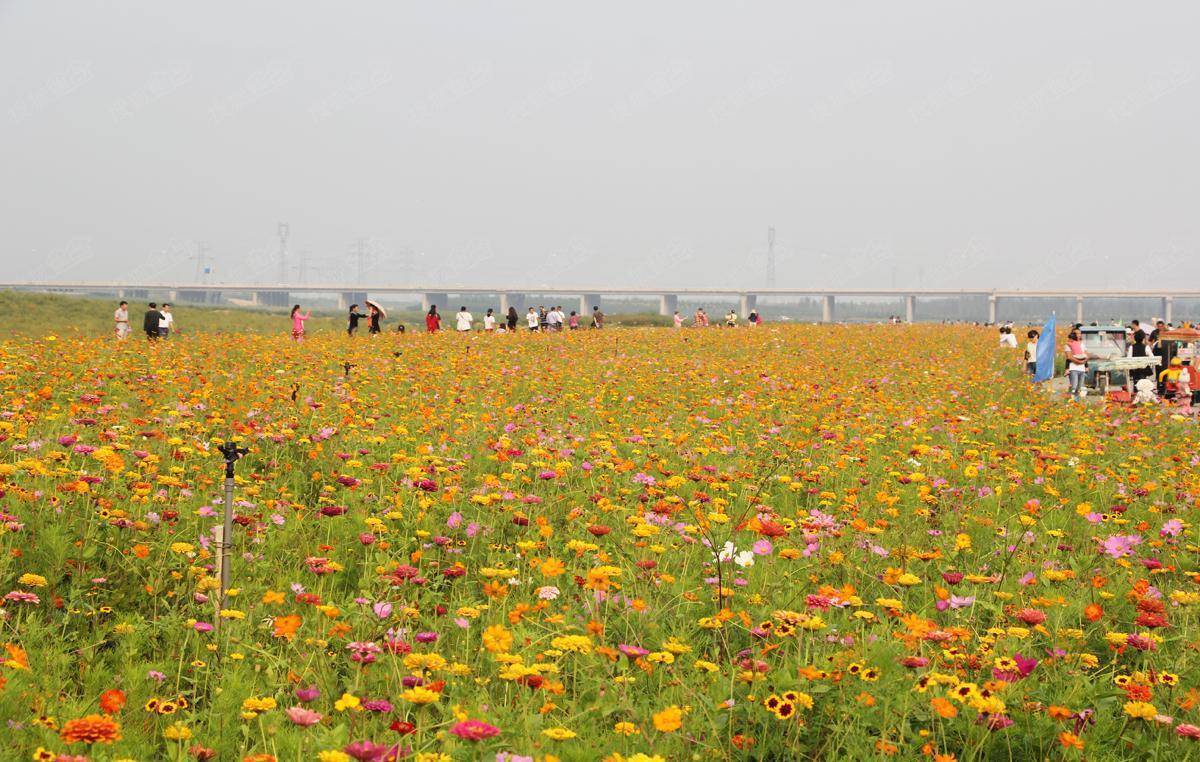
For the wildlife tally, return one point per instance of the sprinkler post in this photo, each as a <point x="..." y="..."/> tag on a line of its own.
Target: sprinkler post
<point x="232" y="453"/>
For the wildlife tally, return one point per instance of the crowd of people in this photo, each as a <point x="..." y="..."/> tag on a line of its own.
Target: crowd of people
<point x="1175" y="379"/>
<point x="157" y="323"/>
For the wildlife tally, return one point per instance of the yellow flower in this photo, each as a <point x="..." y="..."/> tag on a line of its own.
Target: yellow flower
<point x="420" y="695"/>
<point x="625" y="728"/>
<point x="347" y="701"/>
<point x="497" y="639"/>
<point x="332" y="755"/>
<point x="177" y="731"/>
<point x="558" y="734"/>
<point x="669" y="720"/>
<point x="577" y="643"/>
<point x="32" y="580"/>
<point x="1141" y="710"/>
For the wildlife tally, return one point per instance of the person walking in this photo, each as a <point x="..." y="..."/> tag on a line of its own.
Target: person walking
<point x="463" y="320"/>
<point x="374" y="320"/>
<point x="298" y="323"/>
<point x="1076" y="364"/>
<point x="531" y="319"/>
<point x="352" y="320"/>
<point x="121" y="319"/>
<point x="597" y="317"/>
<point x="166" y="322"/>
<point x="150" y="322"/>
<point x="433" y="321"/>
<point x="512" y="318"/>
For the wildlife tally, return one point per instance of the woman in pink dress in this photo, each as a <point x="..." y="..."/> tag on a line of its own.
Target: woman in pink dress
<point x="298" y="323"/>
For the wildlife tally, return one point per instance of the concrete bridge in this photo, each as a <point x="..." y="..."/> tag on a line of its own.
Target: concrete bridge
<point x="281" y="295"/>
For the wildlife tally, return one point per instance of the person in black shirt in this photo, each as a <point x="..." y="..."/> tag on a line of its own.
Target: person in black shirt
<point x="355" y="316"/>
<point x="150" y="322"/>
<point x="512" y="318"/>
<point x="376" y="316"/>
<point x="1139" y="350"/>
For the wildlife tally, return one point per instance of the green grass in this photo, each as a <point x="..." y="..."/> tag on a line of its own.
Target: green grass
<point x="26" y="315"/>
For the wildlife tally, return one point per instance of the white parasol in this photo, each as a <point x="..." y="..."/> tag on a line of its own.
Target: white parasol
<point x="378" y="306"/>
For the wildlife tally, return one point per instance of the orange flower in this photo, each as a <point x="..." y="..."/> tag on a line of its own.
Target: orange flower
<point x="1070" y="740"/>
<point x="141" y="551"/>
<point x="286" y="626"/>
<point x="1093" y="612"/>
<point x="1058" y="712"/>
<point x="95" y="728"/>
<point x="112" y="701"/>
<point x="944" y="708"/>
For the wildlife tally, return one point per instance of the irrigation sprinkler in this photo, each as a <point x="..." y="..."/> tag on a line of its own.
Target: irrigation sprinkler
<point x="232" y="453"/>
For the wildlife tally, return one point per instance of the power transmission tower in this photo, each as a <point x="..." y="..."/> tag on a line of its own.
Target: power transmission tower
<point x="361" y="252"/>
<point x="283" y="236"/>
<point x="202" y="260"/>
<point x="770" y="257"/>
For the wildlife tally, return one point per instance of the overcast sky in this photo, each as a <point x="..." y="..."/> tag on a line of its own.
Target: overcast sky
<point x="941" y="144"/>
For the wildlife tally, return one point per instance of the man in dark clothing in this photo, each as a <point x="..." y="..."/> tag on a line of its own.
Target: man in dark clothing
<point x="355" y="316"/>
<point x="150" y="322"/>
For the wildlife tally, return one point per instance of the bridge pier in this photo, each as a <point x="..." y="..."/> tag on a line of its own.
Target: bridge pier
<point x="1079" y="309"/>
<point x="429" y="300"/>
<point x="668" y="304"/>
<point x="1167" y="303"/>
<point x="910" y="308"/>
<point x="508" y="299"/>
<point x="346" y="298"/>
<point x="992" y="299"/>
<point x="828" y="309"/>
<point x="587" y="301"/>
<point x="748" y="303"/>
<point x="272" y="298"/>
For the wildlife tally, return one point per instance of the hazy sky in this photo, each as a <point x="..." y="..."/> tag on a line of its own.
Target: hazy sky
<point x="943" y="144"/>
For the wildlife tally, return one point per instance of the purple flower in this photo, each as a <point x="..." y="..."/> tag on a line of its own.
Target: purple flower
<point x="308" y="694"/>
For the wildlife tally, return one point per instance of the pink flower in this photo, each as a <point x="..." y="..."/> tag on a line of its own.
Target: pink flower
<point x="304" y="717"/>
<point x="1184" y="730"/>
<point x="1172" y="528"/>
<point x="762" y="548"/>
<point x="1120" y="545"/>
<point x="382" y="609"/>
<point x="474" y="730"/>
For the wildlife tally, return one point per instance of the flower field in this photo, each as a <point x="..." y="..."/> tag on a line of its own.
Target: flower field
<point x="781" y="543"/>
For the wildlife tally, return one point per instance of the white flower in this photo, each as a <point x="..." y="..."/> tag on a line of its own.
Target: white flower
<point x="547" y="592"/>
<point x="726" y="552"/>
<point x="745" y="558"/>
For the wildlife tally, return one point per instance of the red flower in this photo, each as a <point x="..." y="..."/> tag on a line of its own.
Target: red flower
<point x="112" y="701"/>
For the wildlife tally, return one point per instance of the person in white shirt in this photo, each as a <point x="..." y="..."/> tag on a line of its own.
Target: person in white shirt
<point x="166" y="322"/>
<point x="1031" y="352"/>
<point x="554" y="318"/>
<point x="531" y="319"/>
<point x="463" y="319"/>
<point x="121" y="318"/>
<point x="489" y="321"/>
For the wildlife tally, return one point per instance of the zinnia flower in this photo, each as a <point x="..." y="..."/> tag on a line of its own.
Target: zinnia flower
<point x="474" y="730"/>
<point x="94" y="728"/>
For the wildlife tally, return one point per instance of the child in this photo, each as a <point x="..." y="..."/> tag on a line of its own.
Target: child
<point x="355" y="316"/>
<point x="1031" y="352"/>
